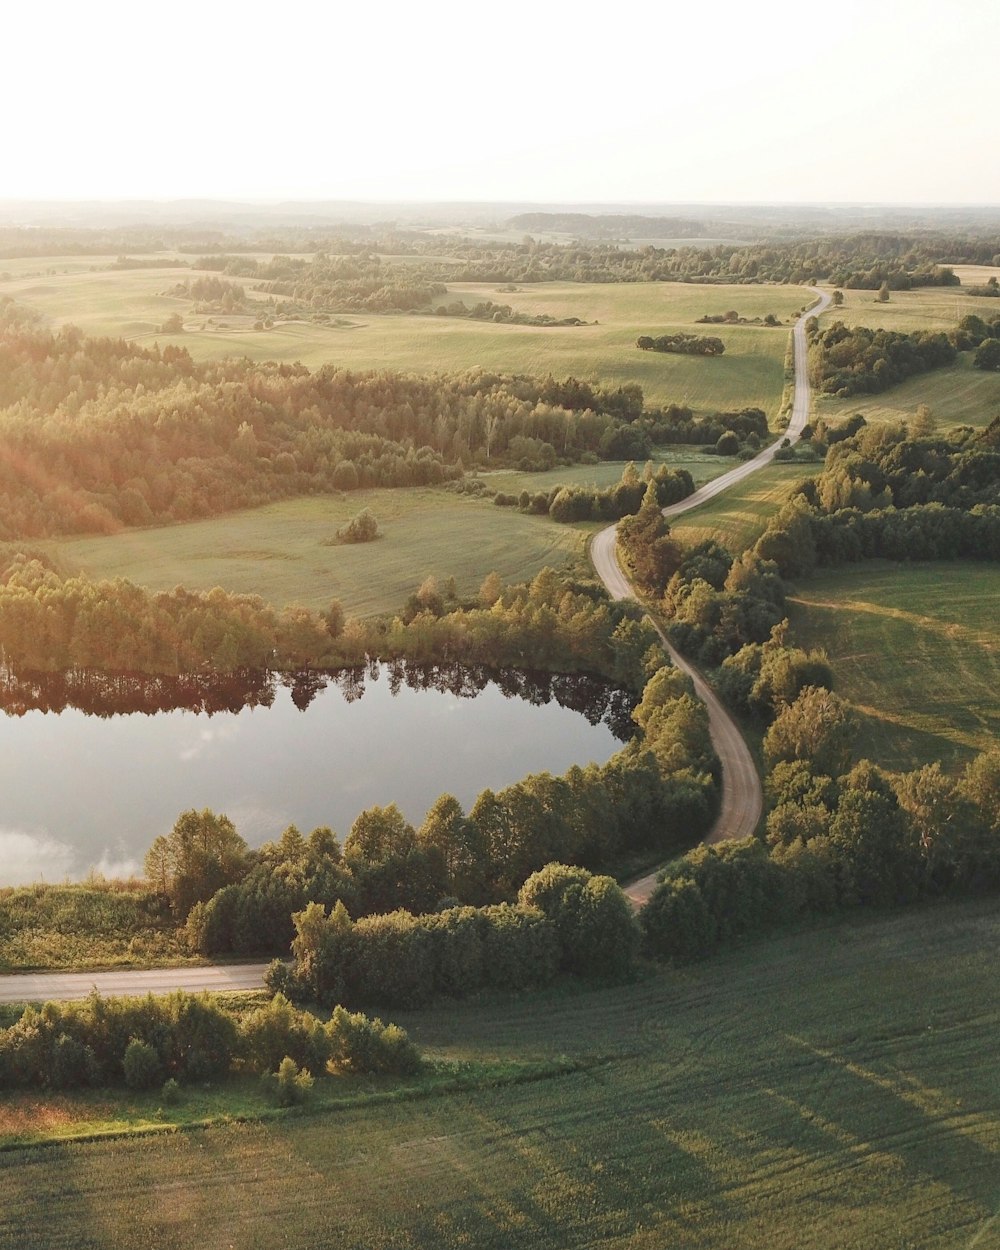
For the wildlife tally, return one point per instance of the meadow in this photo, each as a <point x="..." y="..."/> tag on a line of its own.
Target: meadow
<point x="285" y="552"/>
<point x="704" y="1107"/>
<point x="131" y="303"/>
<point x="956" y="395"/>
<point x="916" y="649"/>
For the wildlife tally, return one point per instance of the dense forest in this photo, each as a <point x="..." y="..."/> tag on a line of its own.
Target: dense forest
<point x="98" y="434"/>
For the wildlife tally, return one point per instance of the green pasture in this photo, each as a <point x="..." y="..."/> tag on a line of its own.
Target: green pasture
<point x="286" y="553"/>
<point x="739" y="516"/>
<point x="131" y="303"/>
<point x="925" y="308"/>
<point x="916" y="648"/>
<point x="957" y="395"/>
<point x="835" y="1088"/>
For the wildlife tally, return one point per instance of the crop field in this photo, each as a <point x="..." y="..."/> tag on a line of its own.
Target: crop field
<point x="131" y="303"/>
<point x="286" y="553"/>
<point x="917" y="649"/>
<point x="738" y="517"/>
<point x="957" y="395"/>
<point x="710" y="1107"/>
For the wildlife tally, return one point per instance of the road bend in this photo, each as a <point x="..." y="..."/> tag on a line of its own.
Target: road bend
<point x="742" y="798"/>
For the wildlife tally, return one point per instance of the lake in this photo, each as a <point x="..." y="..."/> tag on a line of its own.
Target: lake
<point x="94" y="766"/>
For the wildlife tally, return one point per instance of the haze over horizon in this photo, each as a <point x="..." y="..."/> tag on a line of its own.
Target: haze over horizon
<point x="867" y="104"/>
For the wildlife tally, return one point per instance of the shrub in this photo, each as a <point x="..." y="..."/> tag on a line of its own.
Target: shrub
<point x="141" y="1065"/>
<point x="362" y="528"/>
<point x="291" y="1083"/>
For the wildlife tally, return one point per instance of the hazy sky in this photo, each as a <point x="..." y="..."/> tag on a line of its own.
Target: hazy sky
<point x="880" y="100"/>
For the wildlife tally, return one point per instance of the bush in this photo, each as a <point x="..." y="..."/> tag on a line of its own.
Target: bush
<point x="141" y="1065"/>
<point x="292" y="1084"/>
<point x="362" y="528"/>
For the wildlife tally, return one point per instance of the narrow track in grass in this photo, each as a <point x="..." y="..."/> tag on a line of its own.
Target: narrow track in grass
<point x="742" y="796"/>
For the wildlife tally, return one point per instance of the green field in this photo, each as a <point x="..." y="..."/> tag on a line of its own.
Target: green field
<point x="701" y="465"/>
<point x="738" y="517"/>
<point x="745" y="1102"/>
<point x="130" y="303"/>
<point x="925" y="308"/>
<point x="957" y="395"/>
<point x="283" y="551"/>
<point x="917" y="649"/>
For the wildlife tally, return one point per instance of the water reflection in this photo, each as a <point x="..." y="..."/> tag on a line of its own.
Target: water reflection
<point x="116" y="694"/>
<point x="94" y="765"/>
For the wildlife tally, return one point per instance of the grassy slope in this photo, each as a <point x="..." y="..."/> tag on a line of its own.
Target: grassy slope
<point x="958" y="395"/>
<point x="131" y="303"/>
<point x="861" y="1111"/>
<point x="916" y="648"/>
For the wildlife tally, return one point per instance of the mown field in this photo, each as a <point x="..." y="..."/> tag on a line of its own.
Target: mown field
<point x="745" y="1102"/>
<point x="131" y="303"/>
<point x="916" y="648"/>
<point x="924" y="308"/>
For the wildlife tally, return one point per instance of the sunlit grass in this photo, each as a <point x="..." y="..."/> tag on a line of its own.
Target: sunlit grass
<point x="917" y="648"/>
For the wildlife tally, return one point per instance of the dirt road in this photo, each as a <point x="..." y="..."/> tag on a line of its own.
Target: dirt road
<point x="742" y="798"/>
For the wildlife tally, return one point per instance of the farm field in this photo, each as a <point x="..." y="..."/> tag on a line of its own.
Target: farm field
<point x="916" y="648"/>
<point x="861" y="1111"/>
<point x="131" y="303"/>
<point x="701" y="465"/>
<point x="283" y="551"/>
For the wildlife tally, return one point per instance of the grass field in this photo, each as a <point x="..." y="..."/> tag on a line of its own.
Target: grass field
<point x="738" y="517"/>
<point x="282" y="551"/>
<point x="746" y="1102"/>
<point x="131" y="303"/>
<point x="917" y="649"/>
<point x="925" y="308"/>
<point x="957" y="395"/>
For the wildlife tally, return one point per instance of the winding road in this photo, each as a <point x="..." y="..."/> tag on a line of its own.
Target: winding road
<point x="742" y="798"/>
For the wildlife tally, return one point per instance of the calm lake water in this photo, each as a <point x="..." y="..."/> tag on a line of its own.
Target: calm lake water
<point x="93" y="767"/>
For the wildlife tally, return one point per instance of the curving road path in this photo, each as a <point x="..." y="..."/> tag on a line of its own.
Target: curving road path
<point x="742" y="799"/>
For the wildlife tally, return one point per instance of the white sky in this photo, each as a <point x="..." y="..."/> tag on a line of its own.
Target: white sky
<point x="857" y="100"/>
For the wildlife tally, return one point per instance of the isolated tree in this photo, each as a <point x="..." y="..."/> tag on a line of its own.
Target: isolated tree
<point x="837" y="298"/>
<point x="883" y="294"/>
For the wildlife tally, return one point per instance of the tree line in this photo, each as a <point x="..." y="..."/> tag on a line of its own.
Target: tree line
<point x="182" y="1038"/>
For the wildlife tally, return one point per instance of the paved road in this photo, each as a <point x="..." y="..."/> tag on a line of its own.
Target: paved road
<point x="28" y="987"/>
<point x="742" y="798"/>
